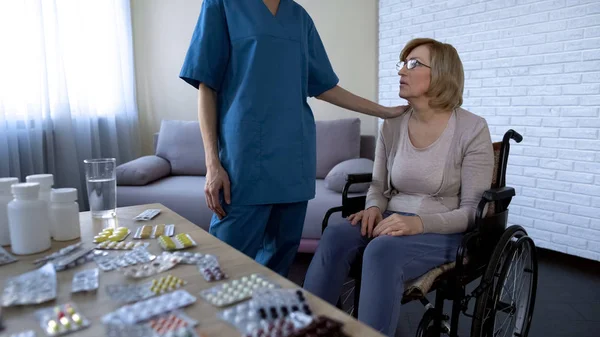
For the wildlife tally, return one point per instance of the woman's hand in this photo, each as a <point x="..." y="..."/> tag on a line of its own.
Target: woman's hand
<point x="368" y="218"/>
<point x="397" y="225"/>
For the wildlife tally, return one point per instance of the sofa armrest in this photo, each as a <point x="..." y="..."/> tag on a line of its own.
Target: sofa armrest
<point x="142" y="171"/>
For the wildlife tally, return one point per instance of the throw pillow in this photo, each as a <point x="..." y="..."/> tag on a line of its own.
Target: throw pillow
<point x="336" y="178"/>
<point x="142" y="171"/>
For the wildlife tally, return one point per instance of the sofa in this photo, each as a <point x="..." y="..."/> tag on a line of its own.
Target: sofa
<point x="175" y="175"/>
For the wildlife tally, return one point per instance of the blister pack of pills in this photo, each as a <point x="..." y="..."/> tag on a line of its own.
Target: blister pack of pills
<point x="136" y="256"/>
<point x="281" y="327"/>
<point x="144" y="310"/>
<point x="188" y="257"/>
<point x="146" y="215"/>
<point x="236" y="290"/>
<point x="112" y="234"/>
<point x="266" y="306"/>
<point x="111" y="245"/>
<point x="173" y="324"/>
<point x="63" y="252"/>
<point x="129" y="293"/>
<point x="34" y="287"/>
<point x="179" y="241"/>
<point x="6" y="257"/>
<point x="77" y="258"/>
<point x="61" y="319"/>
<point x="85" y="280"/>
<point x="163" y="262"/>
<point x="28" y="333"/>
<point x="128" y="330"/>
<point x="210" y="269"/>
<point x="153" y="232"/>
<point x="321" y="326"/>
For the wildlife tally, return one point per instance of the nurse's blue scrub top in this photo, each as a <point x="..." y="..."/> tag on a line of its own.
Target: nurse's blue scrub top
<point x="263" y="67"/>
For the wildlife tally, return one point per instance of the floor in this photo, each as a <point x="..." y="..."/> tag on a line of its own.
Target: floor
<point x="567" y="304"/>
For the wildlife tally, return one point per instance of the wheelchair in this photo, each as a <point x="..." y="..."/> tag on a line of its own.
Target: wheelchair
<point x="504" y="259"/>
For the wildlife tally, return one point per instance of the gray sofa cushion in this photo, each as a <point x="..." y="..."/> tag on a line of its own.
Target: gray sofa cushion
<point x="182" y="194"/>
<point x="317" y="207"/>
<point x="180" y="142"/>
<point x="337" y="141"/>
<point x="142" y="171"/>
<point x="336" y="178"/>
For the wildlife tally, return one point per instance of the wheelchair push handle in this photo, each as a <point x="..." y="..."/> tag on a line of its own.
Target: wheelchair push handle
<point x="512" y="134"/>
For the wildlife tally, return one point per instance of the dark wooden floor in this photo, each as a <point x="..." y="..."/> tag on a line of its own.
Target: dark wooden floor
<point x="567" y="304"/>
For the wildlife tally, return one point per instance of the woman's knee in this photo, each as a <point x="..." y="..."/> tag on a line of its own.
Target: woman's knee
<point x="339" y="236"/>
<point x="381" y="249"/>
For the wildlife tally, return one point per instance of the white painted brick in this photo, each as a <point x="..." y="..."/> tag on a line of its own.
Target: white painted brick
<point x="557" y="143"/>
<point x="551" y="246"/>
<point x="523" y="160"/>
<point x="538" y="6"/>
<point x="563" y="57"/>
<point x="557" y="164"/>
<point x="530" y="141"/>
<point x="512" y="91"/>
<point x="550" y="226"/>
<point x="552" y="206"/>
<point x="390" y="17"/>
<point x="539" y="173"/>
<point x="498" y="4"/>
<point x="516" y="209"/>
<point x="559" y="122"/>
<point x="547" y="69"/>
<point x="519" y="180"/>
<point x="528" y="81"/>
<point x="497" y="63"/>
<point x="567" y="13"/>
<point x="569" y="241"/>
<point x="544" y="91"/>
<point x="514" y="170"/>
<point x="584" y="233"/>
<point x="595" y="224"/>
<point x="581" y="89"/>
<point x="538" y="193"/>
<point x="473" y="83"/>
<point x="487" y="111"/>
<point x="587" y="189"/>
<point x="547" y="27"/>
<point x="593" y="9"/>
<point x="547" y="48"/>
<point x="511" y="111"/>
<point x="523" y="201"/>
<point x="575" y="177"/>
<point x="531" y="18"/>
<point x="497" y="120"/>
<point x="553" y="185"/>
<point x="591" y="78"/>
<point x="529" y="40"/>
<point x="481" y="92"/>
<point x="513" y="52"/>
<point x="540" y="152"/>
<point x="591" y="32"/>
<point x="591" y="20"/>
<point x="572" y="220"/>
<point x="514" y="71"/>
<point x="591" y="55"/>
<point x="579" y="112"/>
<point x="591" y="212"/>
<point x="579" y="133"/>
<point x="564" y="79"/>
<point x="584" y="253"/>
<point x="588" y="145"/>
<point x="589" y="122"/>
<point x="572" y="198"/>
<point x="520" y="220"/>
<point x="594" y="246"/>
<point x="596" y="202"/>
<point x="582" y="66"/>
<point x="587" y="167"/>
<point x="496" y="82"/>
<point x="528" y="121"/>
<point x="540" y="214"/>
<point x="497" y="101"/>
<point x="586" y="44"/>
<point x="527" y="101"/>
<point x="575" y="155"/>
<point x="543" y="111"/>
<point x="532" y="232"/>
<point x="590" y="100"/>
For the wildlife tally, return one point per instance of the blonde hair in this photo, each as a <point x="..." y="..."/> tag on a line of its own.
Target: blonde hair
<point x="447" y="74"/>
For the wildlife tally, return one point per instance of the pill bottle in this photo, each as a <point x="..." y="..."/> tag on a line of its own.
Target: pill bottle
<point x="46" y="182"/>
<point x="28" y="220"/>
<point x="64" y="214"/>
<point x="5" y="198"/>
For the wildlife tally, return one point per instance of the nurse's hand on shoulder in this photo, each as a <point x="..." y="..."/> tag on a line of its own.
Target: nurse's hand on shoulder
<point x="393" y="112"/>
<point x="217" y="179"/>
<point x="368" y="219"/>
<point x="397" y="225"/>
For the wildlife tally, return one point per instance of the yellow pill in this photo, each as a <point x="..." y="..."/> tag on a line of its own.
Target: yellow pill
<point x="114" y="238"/>
<point x="100" y="238"/>
<point x="123" y="229"/>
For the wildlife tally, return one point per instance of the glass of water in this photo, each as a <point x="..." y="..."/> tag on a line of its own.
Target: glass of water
<point x="101" y="179"/>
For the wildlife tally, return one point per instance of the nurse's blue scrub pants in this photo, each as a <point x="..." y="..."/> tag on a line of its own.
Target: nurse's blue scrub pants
<point x="270" y="234"/>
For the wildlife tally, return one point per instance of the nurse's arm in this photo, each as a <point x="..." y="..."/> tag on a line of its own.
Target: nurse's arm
<point x="347" y="100"/>
<point x="216" y="177"/>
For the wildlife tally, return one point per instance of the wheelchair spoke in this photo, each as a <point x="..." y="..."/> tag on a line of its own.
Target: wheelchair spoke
<point x="346" y="295"/>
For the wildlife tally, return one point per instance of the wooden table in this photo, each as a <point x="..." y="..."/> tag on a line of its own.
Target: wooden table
<point x="95" y="305"/>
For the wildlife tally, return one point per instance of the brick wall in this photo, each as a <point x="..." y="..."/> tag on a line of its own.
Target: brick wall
<point x="533" y="66"/>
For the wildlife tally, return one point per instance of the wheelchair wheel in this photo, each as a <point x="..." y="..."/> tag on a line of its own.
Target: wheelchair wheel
<point x="427" y="326"/>
<point x="505" y="307"/>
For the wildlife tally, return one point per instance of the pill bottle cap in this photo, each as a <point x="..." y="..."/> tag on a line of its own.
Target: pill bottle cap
<point x="63" y="195"/>
<point x="6" y="183"/>
<point x="26" y="190"/>
<point x="45" y="180"/>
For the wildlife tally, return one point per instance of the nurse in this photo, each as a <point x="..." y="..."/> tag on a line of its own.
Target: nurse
<point x="254" y="63"/>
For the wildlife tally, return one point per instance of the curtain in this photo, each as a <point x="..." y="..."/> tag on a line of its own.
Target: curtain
<point x="67" y="88"/>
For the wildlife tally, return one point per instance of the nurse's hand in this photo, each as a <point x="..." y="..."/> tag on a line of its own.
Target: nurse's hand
<point x="393" y="112"/>
<point x="368" y="218"/>
<point x="217" y="179"/>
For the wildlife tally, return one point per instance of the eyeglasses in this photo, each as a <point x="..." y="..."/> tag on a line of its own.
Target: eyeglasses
<point x="410" y="64"/>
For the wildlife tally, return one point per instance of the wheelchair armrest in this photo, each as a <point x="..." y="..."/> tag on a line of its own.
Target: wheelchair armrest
<point x="469" y="242"/>
<point x="496" y="194"/>
<point x="352" y="205"/>
<point x="352" y="179"/>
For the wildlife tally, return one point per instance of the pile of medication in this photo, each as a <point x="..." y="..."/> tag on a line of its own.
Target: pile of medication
<point x="61" y="319"/>
<point x="179" y="241"/>
<point x="112" y="234"/>
<point x="236" y="290"/>
<point x="153" y="232"/>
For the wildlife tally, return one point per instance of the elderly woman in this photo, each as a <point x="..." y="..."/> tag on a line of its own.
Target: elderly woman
<point x="432" y="165"/>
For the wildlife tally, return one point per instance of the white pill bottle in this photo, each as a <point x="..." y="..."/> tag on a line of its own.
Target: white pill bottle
<point x="46" y="182"/>
<point x="5" y="198"/>
<point x="28" y="220"/>
<point x="64" y="214"/>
